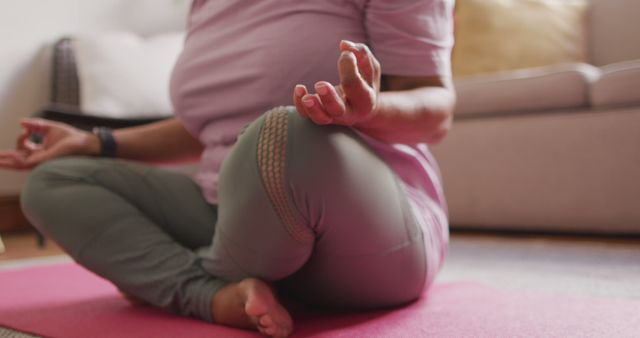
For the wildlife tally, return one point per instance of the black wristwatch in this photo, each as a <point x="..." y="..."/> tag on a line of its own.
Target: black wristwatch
<point x="108" y="145"/>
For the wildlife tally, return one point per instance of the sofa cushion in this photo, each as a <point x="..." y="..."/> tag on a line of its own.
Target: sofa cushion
<point x="618" y="85"/>
<point x="123" y="75"/>
<point x="613" y="31"/>
<point x="572" y="172"/>
<point x="551" y="87"/>
<point x="498" y="35"/>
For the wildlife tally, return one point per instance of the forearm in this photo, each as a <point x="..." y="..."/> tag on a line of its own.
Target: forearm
<point x="420" y="115"/>
<point x="164" y="141"/>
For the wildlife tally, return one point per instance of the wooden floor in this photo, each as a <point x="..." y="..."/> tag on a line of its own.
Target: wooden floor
<point x="594" y="266"/>
<point x="24" y="244"/>
<point x="570" y="265"/>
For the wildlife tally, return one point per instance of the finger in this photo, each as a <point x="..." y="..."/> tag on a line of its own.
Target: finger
<point x="41" y="156"/>
<point x="8" y="163"/>
<point x="316" y="112"/>
<point x="357" y="92"/>
<point x="11" y="154"/>
<point x="32" y="146"/>
<point x="331" y="101"/>
<point x="298" y="93"/>
<point x="346" y="45"/>
<point x="13" y="160"/>
<point x="365" y="60"/>
<point x="37" y="126"/>
<point x="24" y="143"/>
<point x="20" y="141"/>
<point x="7" y="155"/>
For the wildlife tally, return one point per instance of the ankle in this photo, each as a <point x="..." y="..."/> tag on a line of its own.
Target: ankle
<point x="227" y="306"/>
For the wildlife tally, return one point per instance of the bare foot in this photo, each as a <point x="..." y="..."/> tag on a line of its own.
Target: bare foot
<point x="251" y="304"/>
<point x="135" y="301"/>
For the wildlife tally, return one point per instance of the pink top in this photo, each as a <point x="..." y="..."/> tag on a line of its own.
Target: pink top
<point x="242" y="58"/>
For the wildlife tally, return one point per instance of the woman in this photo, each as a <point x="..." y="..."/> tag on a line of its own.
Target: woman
<point x="336" y="201"/>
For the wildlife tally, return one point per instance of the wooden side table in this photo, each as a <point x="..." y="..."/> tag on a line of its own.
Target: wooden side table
<point x="12" y="219"/>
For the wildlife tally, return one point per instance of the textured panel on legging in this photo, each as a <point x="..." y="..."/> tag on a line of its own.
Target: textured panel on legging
<point x="9" y="333"/>
<point x="272" y="152"/>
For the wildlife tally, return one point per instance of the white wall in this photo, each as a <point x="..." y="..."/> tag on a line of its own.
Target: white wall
<point x="27" y="27"/>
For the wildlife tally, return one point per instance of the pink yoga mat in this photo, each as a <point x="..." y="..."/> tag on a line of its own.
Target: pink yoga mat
<point x="67" y="301"/>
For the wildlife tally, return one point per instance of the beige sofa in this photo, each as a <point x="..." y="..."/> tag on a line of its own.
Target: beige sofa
<point x="554" y="148"/>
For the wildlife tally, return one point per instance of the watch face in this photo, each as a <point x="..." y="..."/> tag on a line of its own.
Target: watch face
<point x="108" y="144"/>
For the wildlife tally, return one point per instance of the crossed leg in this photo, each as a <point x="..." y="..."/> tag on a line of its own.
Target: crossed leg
<point x="309" y="207"/>
<point x="313" y="209"/>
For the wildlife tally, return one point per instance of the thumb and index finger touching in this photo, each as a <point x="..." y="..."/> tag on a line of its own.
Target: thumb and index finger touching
<point x="367" y="66"/>
<point x="41" y="154"/>
<point x="31" y="126"/>
<point x="35" y="126"/>
<point x="26" y="153"/>
<point x="357" y="74"/>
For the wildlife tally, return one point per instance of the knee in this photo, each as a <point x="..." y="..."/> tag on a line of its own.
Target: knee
<point x="37" y="188"/>
<point x="324" y="153"/>
<point x="39" y="195"/>
<point x="304" y="140"/>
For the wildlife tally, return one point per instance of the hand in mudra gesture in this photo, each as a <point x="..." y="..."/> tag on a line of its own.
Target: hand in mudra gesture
<point x="351" y="102"/>
<point x="58" y="139"/>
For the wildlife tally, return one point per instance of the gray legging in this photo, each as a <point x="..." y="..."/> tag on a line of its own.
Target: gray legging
<point x="309" y="206"/>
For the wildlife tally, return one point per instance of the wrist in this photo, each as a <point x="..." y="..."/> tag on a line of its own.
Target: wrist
<point x="107" y="143"/>
<point x="373" y="120"/>
<point x="91" y="144"/>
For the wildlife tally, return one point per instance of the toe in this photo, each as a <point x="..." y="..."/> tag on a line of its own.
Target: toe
<point x="266" y="321"/>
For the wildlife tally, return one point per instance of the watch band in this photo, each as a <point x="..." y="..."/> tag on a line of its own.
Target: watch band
<point x="108" y="145"/>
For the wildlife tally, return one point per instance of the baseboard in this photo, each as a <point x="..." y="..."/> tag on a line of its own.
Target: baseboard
<point x="11" y="216"/>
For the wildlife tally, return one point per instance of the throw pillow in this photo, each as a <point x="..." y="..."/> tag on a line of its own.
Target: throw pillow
<point x="498" y="35"/>
<point x="123" y="75"/>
